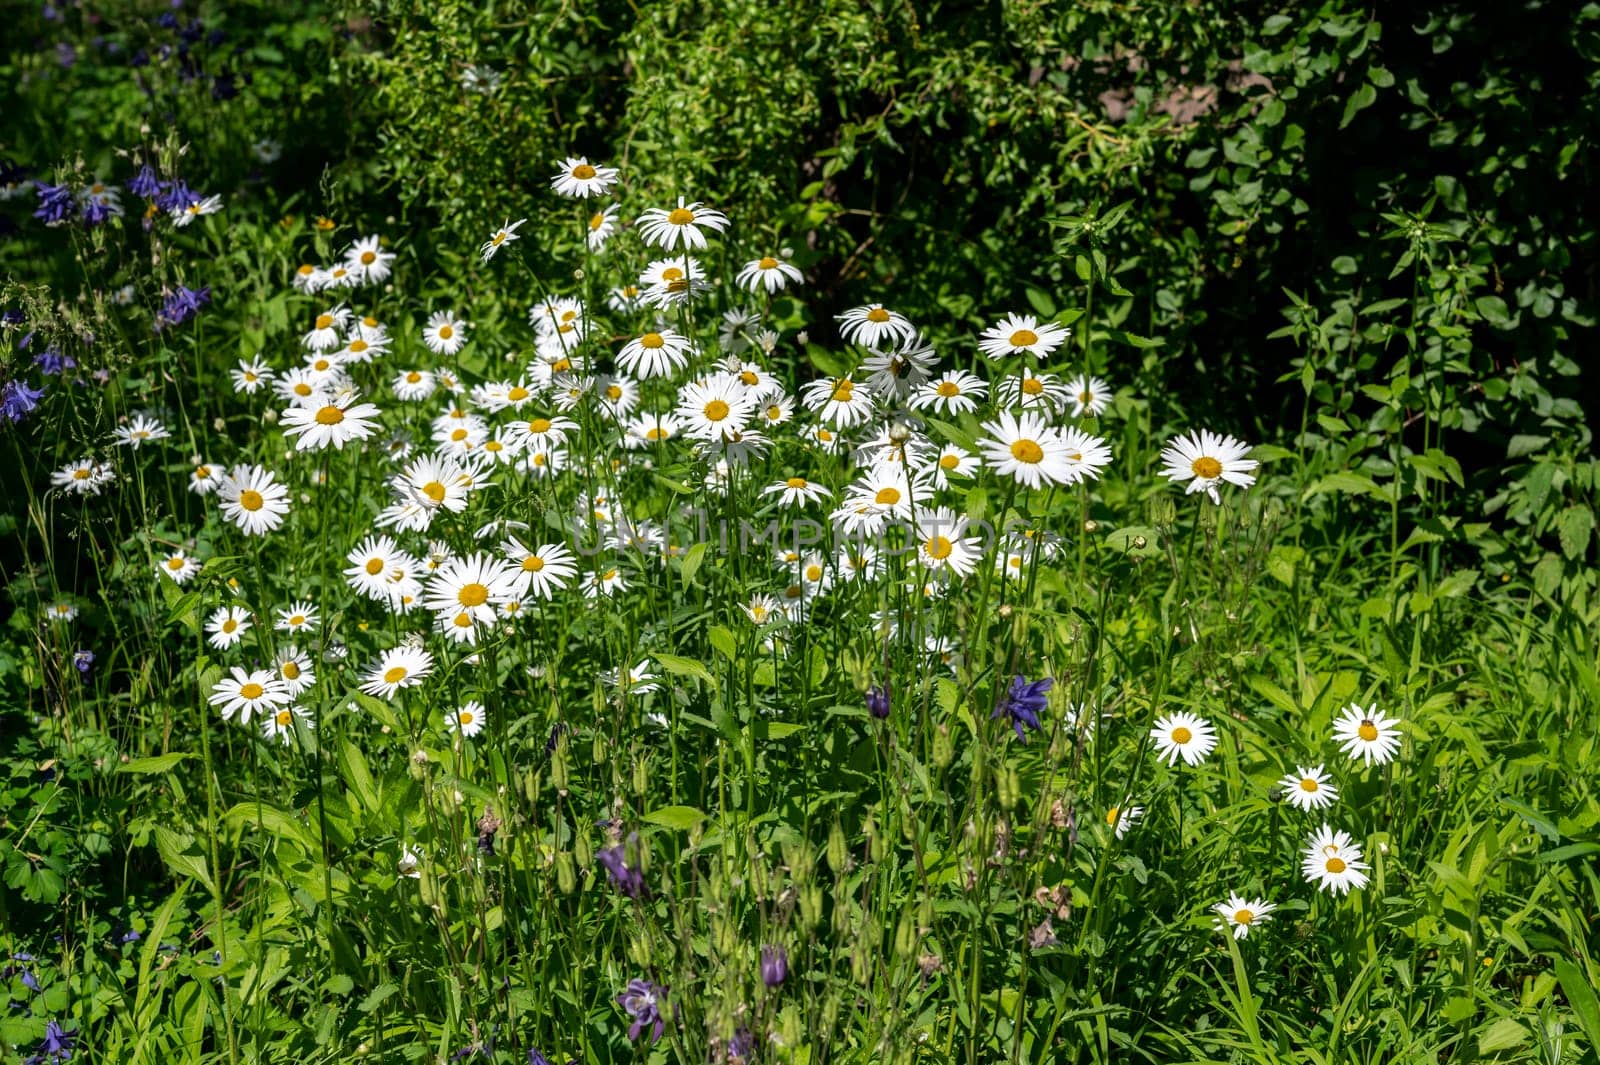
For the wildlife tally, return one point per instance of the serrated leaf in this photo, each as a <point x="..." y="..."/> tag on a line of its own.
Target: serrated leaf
<point x="1575" y="525"/>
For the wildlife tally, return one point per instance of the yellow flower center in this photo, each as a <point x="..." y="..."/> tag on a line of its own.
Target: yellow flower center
<point x="251" y="690"/>
<point x="878" y="314"/>
<point x="283" y="718"/>
<point x="887" y="497"/>
<point x="716" y="410"/>
<point x="80" y="474"/>
<point x="1032" y="386"/>
<point x="1027" y="451"/>
<point x="1367" y="731"/>
<point x="597" y="220"/>
<point x="1243" y="917"/>
<point x="1308" y="784"/>
<point x="518" y="394"/>
<point x="583" y="172"/>
<point x="394" y="675"/>
<point x="938" y="548"/>
<point x="949" y="462"/>
<point x="1335" y="865"/>
<point x="296" y="620"/>
<point x="413" y="378"/>
<point x="446" y="332"/>
<point x="532" y="564"/>
<point x="948" y="389"/>
<point x="656" y="433"/>
<point x="459" y="435"/>
<point x="466" y="717"/>
<point x="306" y="270"/>
<point x="652" y="341"/>
<point x="797" y="482"/>
<point x="202" y="472"/>
<point x="290" y="671"/>
<point x="1206" y="468"/>
<point x="174" y="564"/>
<point x="229" y="625"/>
<point x="767" y="263"/>
<point x="1024" y="338"/>
<point x="774" y="412"/>
<point x="1086" y="398"/>
<point x="473" y="594"/>
<point x="1111" y="815"/>
<point x="251" y="500"/>
<point x="1181" y="735"/>
<point x="357" y="346"/>
<point x="374" y="566"/>
<point x="330" y="415"/>
<point x="302" y="389"/>
<point x="613" y="392"/>
<point x="680" y="216"/>
<point x="324" y="321"/>
<point x="434" y="491"/>
<point x="463" y="621"/>
<point x="844" y="391"/>
<point x="368" y="258"/>
<point x="749" y="378"/>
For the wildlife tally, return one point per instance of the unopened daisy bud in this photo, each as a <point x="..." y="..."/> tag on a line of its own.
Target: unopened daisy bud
<point x="944" y="751"/>
<point x="802" y="338"/>
<point x="1091" y="526"/>
<point x="269" y="416"/>
<point x="218" y="424"/>
<point x="1140" y="543"/>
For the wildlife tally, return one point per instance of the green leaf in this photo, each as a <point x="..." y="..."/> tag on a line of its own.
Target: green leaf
<point x="1581" y="997"/>
<point x="182" y="854"/>
<point x="159" y="763"/>
<point x="691" y="561"/>
<point x="1041" y="302"/>
<point x="1359" y="100"/>
<point x="1574" y="525"/>
<point x="686" y="667"/>
<point x="681" y="818"/>
<point x="723" y="641"/>
<point x="1503" y="1034"/>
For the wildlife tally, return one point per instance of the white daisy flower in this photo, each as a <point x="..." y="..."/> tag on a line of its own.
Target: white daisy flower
<point x="839" y="401"/>
<point x="1308" y="789"/>
<point x="1183" y="735"/>
<point x="581" y="179"/>
<point x="444" y="334"/>
<point x="769" y="274"/>
<point x="467" y="719"/>
<point x="680" y="225"/>
<point x="1032" y="391"/>
<point x="227" y="626"/>
<point x="1018" y="334"/>
<point x="248" y="693"/>
<point x="648" y="430"/>
<point x="470" y="587"/>
<point x="253" y="500"/>
<point x="298" y="616"/>
<point x="655" y="354"/>
<point x="179" y="566"/>
<point x="279" y="724"/>
<point x="875" y="326"/>
<point x="1206" y="460"/>
<point x="327" y="332"/>
<point x="605" y="581"/>
<point x="1121" y="819"/>
<point x="1088" y="395"/>
<point x="540" y="571"/>
<point x="86" y="477"/>
<point x="899" y="371"/>
<point x="396" y="668"/>
<point x="502" y="236"/>
<point x="195" y="208"/>
<point x="377" y="566"/>
<point x="205" y="478"/>
<point x="713" y="407"/>
<point x="413" y="386"/>
<point x="1239" y="914"/>
<point x="602" y="226"/>
<point x="295" y="669"/>
<point x="367" y="260"/>
<point x="250" y="375"/>
<point x="955" y="392"/>
<point x="339" y="420"/>
<point x="762" y="609"/>
<point x="309" y="278"/>
<point x="943" y="543"/>
<point x="1332" y="861"/>
<point x="951" y="462"/>
<point x="638" y="680"/>
<point x="1027" y="450"/>
<point x="140" y="430"/>
<point x="796" y="492"/>
<point x="1367" y="734"/>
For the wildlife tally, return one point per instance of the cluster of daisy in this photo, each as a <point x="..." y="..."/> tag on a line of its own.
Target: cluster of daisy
<point x="365" y="263"/>
<point x="1331" y="859"/>
<point x="623" y="383"/>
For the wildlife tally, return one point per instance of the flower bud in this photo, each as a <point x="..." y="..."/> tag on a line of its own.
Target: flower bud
<point x="774" y="965"/>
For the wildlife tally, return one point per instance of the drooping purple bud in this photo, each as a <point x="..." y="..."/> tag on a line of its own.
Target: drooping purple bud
<point x="774" y="965"/>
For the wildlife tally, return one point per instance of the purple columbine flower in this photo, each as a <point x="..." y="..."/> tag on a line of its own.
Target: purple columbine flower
<point x="742" y="1047"/>
<point x="13" y="316"/>
<point x="628" y="881"/>
<point x="56" y="202"/>
<point x="1022" y="704"/>
<point x="29" y="981"/>
<point x="774" y="965"/>
<point x="145" y="184"/>
<point x="18" y="400"/>
<point x="57" y="1045"/>
<point x="878" y="702"/>
<point x="52" y="362"/>
<point x="175" y="195"/>
<point x="82" y="661"/>
<point x="181" y="305"/>
<point x="643" y="1000"/>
